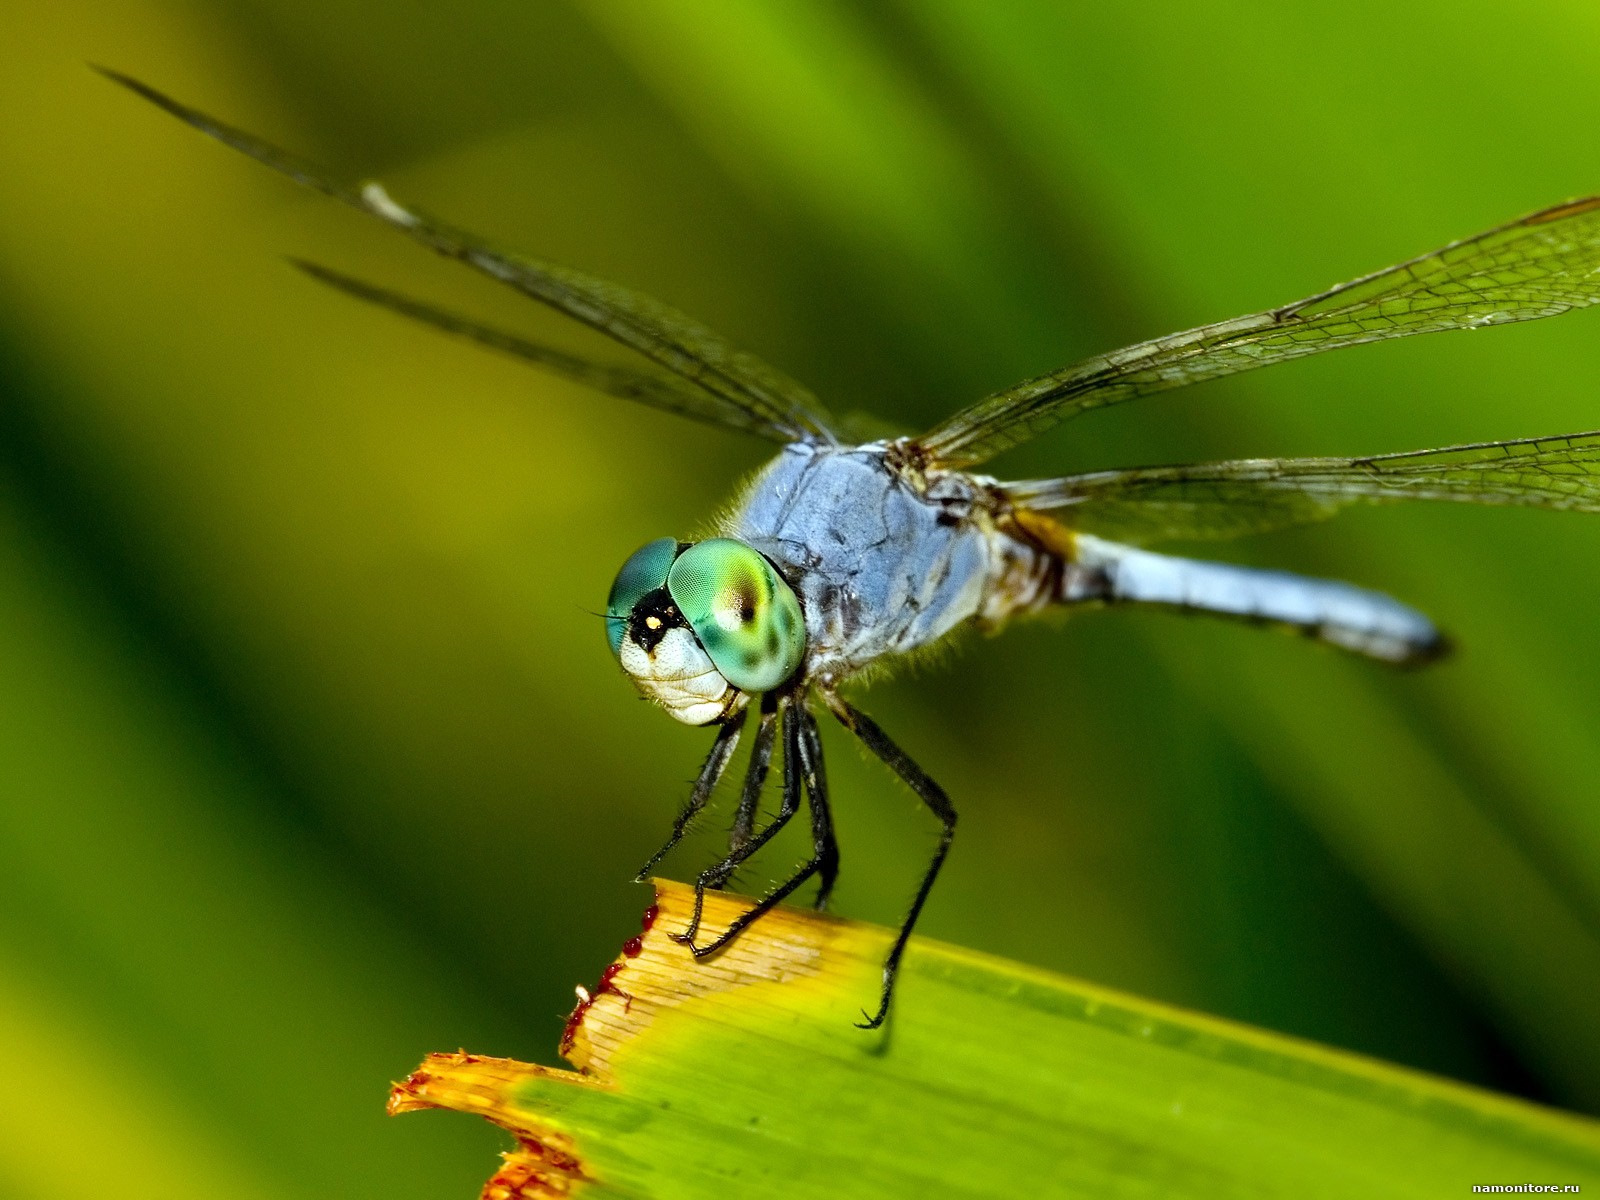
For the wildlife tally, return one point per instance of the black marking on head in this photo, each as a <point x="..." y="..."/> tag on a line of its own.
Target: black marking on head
<point x="652" y="617"/>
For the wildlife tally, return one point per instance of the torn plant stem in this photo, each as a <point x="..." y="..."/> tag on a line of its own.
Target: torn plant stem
<point x="545" y="1162"/>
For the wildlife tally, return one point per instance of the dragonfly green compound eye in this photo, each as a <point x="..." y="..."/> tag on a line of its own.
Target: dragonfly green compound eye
<point x="643" y="573"/>
<point x="744" y="614"/>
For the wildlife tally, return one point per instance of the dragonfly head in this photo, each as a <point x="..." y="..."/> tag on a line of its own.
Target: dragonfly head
<point x="700" y="627"/>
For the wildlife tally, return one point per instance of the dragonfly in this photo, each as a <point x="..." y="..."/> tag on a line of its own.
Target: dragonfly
<point x="838" y="558"/>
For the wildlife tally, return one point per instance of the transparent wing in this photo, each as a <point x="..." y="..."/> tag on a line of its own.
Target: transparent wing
<point x="653" y="388"/>
<point x="1538" y="266"/>
<point x="1252" y="495"/>
<point x="769" y="400"/>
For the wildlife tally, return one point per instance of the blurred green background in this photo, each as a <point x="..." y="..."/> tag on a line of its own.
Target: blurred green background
<point x="314" y="759"/>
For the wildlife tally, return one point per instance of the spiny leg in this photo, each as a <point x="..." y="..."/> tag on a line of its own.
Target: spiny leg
<point x="755" y="781"/>
<point x="822" y="835"/>
<point x="744" y="819"/>
<point x="806" y="757"/>
<point x="934" y="797"/>
<point x="755" y="778"/>
<point x="716" y="763"/>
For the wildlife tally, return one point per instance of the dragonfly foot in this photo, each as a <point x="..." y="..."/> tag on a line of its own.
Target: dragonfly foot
<point x="687" y="940"/>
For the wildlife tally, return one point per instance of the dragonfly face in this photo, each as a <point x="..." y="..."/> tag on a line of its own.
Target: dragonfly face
<point x="699" y="628"/>
<point x="882" y="548"/>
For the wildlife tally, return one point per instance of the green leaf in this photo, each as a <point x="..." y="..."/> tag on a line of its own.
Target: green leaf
<point x="744" y="1075"/>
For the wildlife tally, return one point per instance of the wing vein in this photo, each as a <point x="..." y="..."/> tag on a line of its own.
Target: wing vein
<point x="772" y="403"/>
<point x="1253" y="495"/>
<point x="1541" y="265"/>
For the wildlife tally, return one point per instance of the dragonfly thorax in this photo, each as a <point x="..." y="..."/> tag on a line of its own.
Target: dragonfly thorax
<point x="884" y="563"/>
<point x="700" y="627"/>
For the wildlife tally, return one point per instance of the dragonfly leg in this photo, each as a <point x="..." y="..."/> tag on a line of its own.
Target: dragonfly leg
<point x="802" y="756"/>
<point x="744" y="817"/>
<point x="716" y="763"/>
<point x="823" y="840"/>
<point x="744" y="820"/>
<point x="930" y="794"/>
<point x="718" y="874"/>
